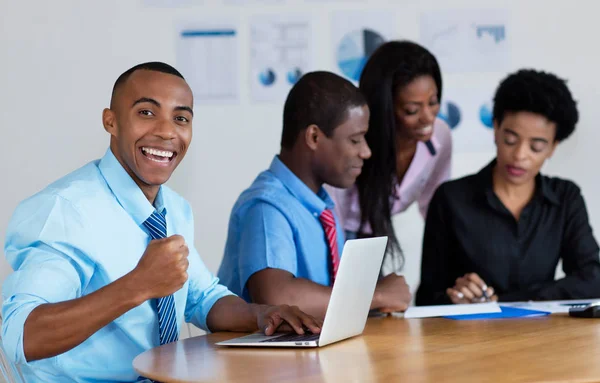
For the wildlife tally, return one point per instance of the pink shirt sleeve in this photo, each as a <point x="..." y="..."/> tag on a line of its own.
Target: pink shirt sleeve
<point x="347" y="208"/>
<point x="441" y="170"/>
<point x="339" y="200"/>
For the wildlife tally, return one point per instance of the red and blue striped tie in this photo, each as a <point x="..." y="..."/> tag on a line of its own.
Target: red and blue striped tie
<point x="328" y="222"/>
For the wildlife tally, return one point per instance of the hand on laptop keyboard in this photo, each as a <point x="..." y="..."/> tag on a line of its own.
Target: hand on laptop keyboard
<point x="286" y="318"/>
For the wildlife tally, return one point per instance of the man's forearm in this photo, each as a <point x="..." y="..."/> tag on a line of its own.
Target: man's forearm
<point x="54" y="328"/>
<point x="310" y="297"/>
<point x="231" y="313"/>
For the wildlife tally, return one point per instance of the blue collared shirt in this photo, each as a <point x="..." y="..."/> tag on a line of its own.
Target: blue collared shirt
<point x="77" y="235"/>
<point x="275" y="224"/>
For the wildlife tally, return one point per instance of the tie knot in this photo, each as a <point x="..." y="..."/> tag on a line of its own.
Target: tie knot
<point x="327" y="219"/>
<point x="156" y="225"/>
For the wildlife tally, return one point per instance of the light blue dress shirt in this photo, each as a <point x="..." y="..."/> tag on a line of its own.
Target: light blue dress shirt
<point x="275" y="224"/>
<point x="77" y="235"/>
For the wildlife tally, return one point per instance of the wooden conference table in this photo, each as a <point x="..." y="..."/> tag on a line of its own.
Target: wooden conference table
<point x="556" y="348"/>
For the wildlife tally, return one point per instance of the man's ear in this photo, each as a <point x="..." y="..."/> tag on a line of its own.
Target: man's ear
<point x="109" y="120"/>
<point x="312" y="136"/>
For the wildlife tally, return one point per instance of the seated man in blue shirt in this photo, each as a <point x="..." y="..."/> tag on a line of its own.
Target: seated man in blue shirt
<point x="284" y="241"/>
<point x="104" y="258"/>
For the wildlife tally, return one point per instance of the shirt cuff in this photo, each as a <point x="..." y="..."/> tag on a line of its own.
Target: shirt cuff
<point x="208" y="301"/>
<point x="14" y="314"/>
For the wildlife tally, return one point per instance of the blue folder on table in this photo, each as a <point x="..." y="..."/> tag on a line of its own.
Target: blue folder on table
<point x="507" y="312"/>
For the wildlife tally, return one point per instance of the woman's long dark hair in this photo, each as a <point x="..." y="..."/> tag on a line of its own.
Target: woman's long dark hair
<point x="392" y="66"/>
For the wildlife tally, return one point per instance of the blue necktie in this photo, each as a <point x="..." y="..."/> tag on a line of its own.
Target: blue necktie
<point x="167" y="323"/>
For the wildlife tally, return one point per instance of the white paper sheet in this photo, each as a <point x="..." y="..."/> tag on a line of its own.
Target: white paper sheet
<point x="207" y="58"/>
<point x="551" y="306"/>
<point x="468" y="112"/>
<point x="468" y="40"/>
<point x="280" y="54"/>
<point x="252" y="2"/>
<point x="444" y="310"/>
<point x="172" y="3"/>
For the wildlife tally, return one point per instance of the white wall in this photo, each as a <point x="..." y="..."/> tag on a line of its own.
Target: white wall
<point x="59" y="59"/>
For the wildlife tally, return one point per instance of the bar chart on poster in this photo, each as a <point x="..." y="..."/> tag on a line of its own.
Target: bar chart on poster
<point x="468" y="40"/>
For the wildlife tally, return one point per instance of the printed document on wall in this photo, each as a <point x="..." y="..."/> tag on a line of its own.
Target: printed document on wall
<point x="280" y="53"/>
<point x="356" y="35"/>
<point x="468" y="111"/>
<point x="172" y="3"/>
<point x="252" y="2"/>
<point x="207" y="56"/>
<point x="468" y="40"/>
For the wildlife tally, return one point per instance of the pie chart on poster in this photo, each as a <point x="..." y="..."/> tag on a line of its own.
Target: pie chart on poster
<point x="486" y="115"/>
<point x="266" y="77"/>
<point x="294" y="75"/>
<point x="450" y="113"/>
<point x="354" y="50"/>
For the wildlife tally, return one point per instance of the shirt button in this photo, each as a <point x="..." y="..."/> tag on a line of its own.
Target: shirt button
<point x="316" y="214"/>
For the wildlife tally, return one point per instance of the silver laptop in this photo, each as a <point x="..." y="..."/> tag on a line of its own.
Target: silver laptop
<point x="349" y="304"/>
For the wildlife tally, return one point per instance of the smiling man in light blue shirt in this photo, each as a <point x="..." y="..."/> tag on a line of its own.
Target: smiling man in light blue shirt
<point x="104" y="258"/>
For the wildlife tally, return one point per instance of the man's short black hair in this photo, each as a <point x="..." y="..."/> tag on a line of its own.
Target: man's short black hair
<point x="541" y="93"/>
<point x="320" y="98"/>
<point x="155" y="66"/>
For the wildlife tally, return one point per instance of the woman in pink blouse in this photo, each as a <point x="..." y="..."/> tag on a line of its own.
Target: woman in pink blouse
<point x="411" y="147"/>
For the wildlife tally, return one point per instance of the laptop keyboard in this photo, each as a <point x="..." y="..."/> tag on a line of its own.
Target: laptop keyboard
<point x="294" y="338"/>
